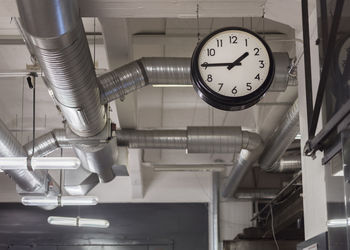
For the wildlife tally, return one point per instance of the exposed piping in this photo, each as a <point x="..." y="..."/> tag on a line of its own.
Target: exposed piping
<point x="58" y="39"/>
<point x="280" y="140"/>
<point x="277" y="145"/>
<point x="194" y="139"/>
<point x="28" y="181"/>
<point x="215" y="217"/>
<point x="168" y="71"/>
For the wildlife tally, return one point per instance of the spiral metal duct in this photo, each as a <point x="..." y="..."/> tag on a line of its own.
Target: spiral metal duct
<point x="61" y="47"/>
<point x="48" y="143"/>
<point x="280" y="140"/>
<point x="194" y="139"/>
<point x="29" y="181"/>
<point x="288" y="164"/>
<point x="167" y="71"/>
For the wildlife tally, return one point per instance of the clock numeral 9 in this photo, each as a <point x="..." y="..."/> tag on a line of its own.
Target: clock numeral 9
<point x="256" y="50"/>
<point x="262" y="65"/>
<point x="210" y="78"/>
<point x="233" y="39"/>
<point x="234" y="90"/>
<point x="249" y="86"/>
<point x="218" y="42"/>
<point x="211" y="52"/>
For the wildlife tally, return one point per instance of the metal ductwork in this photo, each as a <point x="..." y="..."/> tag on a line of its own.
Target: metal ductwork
<point x="287" y="164"/>
<point x="278" y="143"/>
<point x="48" y="143"/>
<point x="280" y="140"/>
<point x="168" y="71"/>
<point x="58" y="38"/>
<point x="28" y="181"/>
<point x="194" y="139"/>
<point x="245" y="161"/>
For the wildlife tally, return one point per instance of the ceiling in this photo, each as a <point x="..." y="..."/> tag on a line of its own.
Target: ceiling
<point x="128" y="30"/>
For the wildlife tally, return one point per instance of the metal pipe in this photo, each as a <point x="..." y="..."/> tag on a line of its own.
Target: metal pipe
<point x="60" y="45"/>
<point x="194" y="139"/>
<point x="58" y="38"/>
<point x="168" y="71"/>
<point x="29" y="181"/>
<point x="288" y="164"/>
<point x="280" y="140"/>
<point x="216" y="211"/>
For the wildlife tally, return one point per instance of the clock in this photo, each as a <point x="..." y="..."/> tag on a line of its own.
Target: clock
<point x="232" y="68"/>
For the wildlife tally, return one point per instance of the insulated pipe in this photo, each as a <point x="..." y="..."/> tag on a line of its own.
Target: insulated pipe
<point x="48" y="143"/>
<point x="58" y="38"/>
<point x="29" y="181"/>
<point x="168" y="71"/>
<point x="55" y="30"/>
<point x="194" y="139"/>
<point x="280" y="140"/>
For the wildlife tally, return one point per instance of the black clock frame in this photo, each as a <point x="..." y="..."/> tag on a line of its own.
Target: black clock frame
<point x="224" y="102"/>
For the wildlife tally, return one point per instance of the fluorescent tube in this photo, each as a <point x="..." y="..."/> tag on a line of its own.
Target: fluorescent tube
<point x="59" y="201"/>
<point x="77" y="222"/>
<point x="50" y="163"/>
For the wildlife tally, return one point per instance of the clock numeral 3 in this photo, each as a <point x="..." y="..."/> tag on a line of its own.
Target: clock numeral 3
<point x="249" y="86"/>
<point x="233" y="39"/>
<point x="210" y="78"/>
<point x="221" y="85"/>
<point x="262" y="65"/>
<point x="211" y="52"/>
<point x="256" y="50"/>
<point x="234" y="90"/>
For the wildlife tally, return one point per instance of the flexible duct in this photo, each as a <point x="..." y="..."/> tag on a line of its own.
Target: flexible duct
<point x="29" y="181"/>
<point x="287" y="164"/>
<point x="60" y="44"/>
<point x="167" y="71"/>
<point x="280" y="140"/>
<point x="194" y="139"/>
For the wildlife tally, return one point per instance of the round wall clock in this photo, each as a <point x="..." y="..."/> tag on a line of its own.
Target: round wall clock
<point x="232" y="68"/>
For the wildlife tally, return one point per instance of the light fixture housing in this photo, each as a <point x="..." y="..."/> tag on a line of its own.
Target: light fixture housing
<point x="77" y="222"/>
<point x="59" y="200"/>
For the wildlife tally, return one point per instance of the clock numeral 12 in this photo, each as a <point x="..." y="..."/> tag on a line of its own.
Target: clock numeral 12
<point x="233" y="39"/>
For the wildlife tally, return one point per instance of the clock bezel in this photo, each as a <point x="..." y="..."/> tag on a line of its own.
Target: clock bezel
<point x="225" y="102"/>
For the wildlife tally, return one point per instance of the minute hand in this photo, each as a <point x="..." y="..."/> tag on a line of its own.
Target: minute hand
<point x="237" y="61"/>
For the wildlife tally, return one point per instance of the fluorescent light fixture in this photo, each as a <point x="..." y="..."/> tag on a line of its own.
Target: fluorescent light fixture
<point x="190" y="168"/>
<point x="59" y="200"/>
<point x="334" y="223"/>
<point x="77" y="222"/>
<point x="50" y="163"/>
<point x="172" y="85"/>
<point x="298" y="137"/>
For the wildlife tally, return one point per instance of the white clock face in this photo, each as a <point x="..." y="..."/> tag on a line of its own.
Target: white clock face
<point x="234" y="63"/>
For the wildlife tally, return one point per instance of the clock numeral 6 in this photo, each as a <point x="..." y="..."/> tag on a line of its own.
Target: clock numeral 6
<point x="211" y="52"/>
<point x="234" y="90"/>
<point x="210" y="78"/>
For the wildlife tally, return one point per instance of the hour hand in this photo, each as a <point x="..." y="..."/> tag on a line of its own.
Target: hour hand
<point x="237" y="62"/>
<point x="206" y="65"/>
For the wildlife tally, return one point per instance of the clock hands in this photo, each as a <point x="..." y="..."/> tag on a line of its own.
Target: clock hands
<point x="237" y="62"/>
<point x="206" y="65"/>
